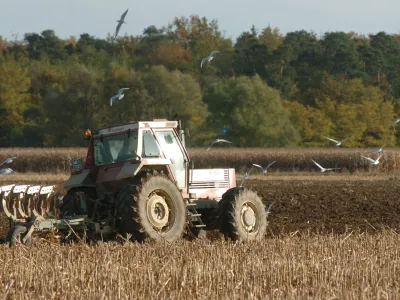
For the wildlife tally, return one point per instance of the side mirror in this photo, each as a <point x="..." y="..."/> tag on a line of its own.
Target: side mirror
<point x="76" y="167"/>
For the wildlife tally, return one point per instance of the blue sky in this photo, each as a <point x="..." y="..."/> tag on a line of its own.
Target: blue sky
<point x="98" y="17"/>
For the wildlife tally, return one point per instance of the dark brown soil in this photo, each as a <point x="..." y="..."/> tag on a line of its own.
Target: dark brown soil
<point x="321" y="206"/>
<point x="330" y="206"/>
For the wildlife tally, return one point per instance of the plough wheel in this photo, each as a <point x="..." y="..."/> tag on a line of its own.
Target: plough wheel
<point x="15" y="236"/>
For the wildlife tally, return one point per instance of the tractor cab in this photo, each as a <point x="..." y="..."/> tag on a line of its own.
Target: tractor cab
<point x="120" y="151"/>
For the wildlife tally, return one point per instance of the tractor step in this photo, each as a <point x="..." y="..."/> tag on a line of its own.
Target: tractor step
<point x="194" y="216"/>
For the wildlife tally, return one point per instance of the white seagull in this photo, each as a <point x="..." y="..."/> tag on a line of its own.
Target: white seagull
<point x="373" y="162"/>
<point x="395" y="122"/>
<point x="268" y="211"/>
<point x="6" y="171"/>
<point x="380" y="150"/>
<point x="218" y="141"/>
<point x="9" y="160"/>
<point x="119" y="96"/>
<point x="266" y="169"/>
<point x="324" y="169"/>
<point x="120" y="22"/>
<point x="338" y="143"/>
<point x="208" y="58"/>
<point x="248" y="173"/>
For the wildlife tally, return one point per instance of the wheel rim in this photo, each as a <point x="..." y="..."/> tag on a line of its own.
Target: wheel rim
<point x="159" y="211"/>
<point x="249" y="217"/>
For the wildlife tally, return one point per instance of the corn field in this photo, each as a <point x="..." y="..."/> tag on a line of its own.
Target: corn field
<point x="294" y="267"/>
<point x="58" y="160"/>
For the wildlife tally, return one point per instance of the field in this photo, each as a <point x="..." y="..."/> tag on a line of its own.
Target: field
<point x="330" y="236"/>
<point x="58" y="160"/>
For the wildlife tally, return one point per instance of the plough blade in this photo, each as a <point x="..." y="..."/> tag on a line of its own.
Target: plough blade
<point x="23" y="201"/>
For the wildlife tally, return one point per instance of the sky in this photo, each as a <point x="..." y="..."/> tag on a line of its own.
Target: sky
<point x="98" y="17"/>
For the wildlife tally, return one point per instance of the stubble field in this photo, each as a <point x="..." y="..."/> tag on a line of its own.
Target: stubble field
<point x="330" y="236"/>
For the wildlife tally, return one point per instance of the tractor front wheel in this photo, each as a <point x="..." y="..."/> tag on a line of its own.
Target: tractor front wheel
<point x="242" y="215"/>
<point x="153" y="209"/>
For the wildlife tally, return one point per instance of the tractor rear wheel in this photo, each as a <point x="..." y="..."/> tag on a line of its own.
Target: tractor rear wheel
<point x="152" y="210"/>
<point x="242" y="215"/>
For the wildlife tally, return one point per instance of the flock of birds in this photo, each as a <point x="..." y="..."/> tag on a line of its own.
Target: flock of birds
<point x="120" y="94"/>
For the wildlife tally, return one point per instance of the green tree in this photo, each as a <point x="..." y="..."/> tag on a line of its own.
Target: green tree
<point x="73" y="106"/>
<point x="175" y="95"/>
<point x="253" y="111"/>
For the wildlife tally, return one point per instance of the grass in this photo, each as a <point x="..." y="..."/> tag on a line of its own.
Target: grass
<point x="297" y="266"/>
<point x="287" y="160"/>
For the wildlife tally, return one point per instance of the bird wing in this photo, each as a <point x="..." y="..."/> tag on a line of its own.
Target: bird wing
<point x="343" y="140"/>
<point x="370" y="159"/>
<point x="121" y="90"/>
<point x="258" y="166"/>
<point x="117" y="29"/>
<point x="112" y="100"/>
<point x="269" y="208"/>
<point x="379" y="157"/>
<point x="224" y="141"/>
<point x="123" y="15"/>
<point x="332" y="140"/>
<point x="270" y="165"/>
<point x="212" y="144"/>
<point x="318" y="165"/>
<point x="214" y="52"/>
<point x="203" y="61"/>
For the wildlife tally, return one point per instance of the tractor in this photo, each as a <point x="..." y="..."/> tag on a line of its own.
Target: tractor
<point x="138" y="182"/>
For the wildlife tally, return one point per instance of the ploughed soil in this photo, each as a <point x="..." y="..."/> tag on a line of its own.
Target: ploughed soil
<point x="321" y="206"/>
<point x="324" y="206"/>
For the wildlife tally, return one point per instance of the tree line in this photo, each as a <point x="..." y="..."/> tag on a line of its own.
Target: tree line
<point x="265" y="89"/>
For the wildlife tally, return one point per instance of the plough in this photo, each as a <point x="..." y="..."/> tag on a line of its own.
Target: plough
<point x="33" y="208"/>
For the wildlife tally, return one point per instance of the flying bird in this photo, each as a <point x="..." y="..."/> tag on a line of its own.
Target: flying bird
<point x="218" y="141"/>
<point x="380" y="150"/>
<point x="266" y="169"/>
<point x="373" y="162"/>
<point x="324" y="169"/>
<point x="268" y="211"/>
<point x="119" y="96"/>
<point x="208" y="58"/>
<point x="9" y="160"/>
<point x="6" y="171"/>
<point x="395" y="122"/>
<point x="248" y="173"/>
<point x="338" y="143"/>
<point x="120" y="22"/>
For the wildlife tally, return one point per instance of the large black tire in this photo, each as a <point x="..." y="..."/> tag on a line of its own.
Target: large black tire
<point x="152" y="210"/>
<point x="15" y="236"/>
<point x="242" y="215"/>
<point x="70" y="205"/>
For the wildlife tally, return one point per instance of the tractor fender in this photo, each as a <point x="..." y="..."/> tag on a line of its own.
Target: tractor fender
<point x="82" y="179"/>
<point x="131" y="169"/>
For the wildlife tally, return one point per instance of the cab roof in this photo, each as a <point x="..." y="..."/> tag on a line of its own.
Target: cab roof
<point x="155" y="123"/>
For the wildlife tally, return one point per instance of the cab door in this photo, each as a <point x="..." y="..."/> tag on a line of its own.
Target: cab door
<point x="171" y="147"/>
